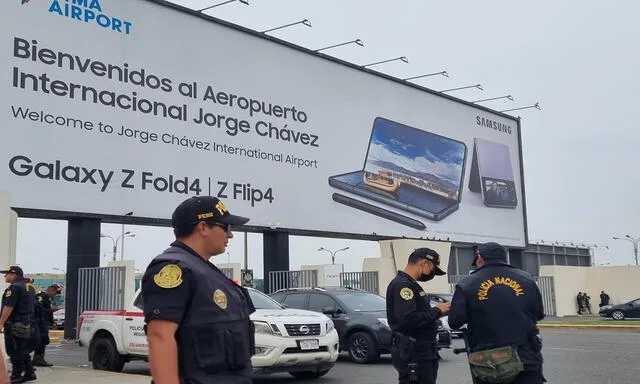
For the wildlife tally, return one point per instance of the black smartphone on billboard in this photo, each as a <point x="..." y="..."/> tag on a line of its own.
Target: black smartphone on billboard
<point x="492" y="174"/>
<point x="410" y="169"/>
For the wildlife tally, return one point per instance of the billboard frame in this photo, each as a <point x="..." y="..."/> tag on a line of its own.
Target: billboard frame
<point x="116" y="219"/>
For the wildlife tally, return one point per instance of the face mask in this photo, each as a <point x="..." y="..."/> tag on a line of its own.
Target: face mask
<point x="425" y="277"/>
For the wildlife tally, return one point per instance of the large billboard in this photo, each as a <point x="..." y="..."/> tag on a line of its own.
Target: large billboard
<point x="113" y="106"/>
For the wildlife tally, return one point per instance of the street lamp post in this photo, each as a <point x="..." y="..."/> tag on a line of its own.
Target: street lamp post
<point x="633" y="241"/>
<point x="122" y="245"/>
<point x="115" y="242"/>
<point x="333" y="253"/>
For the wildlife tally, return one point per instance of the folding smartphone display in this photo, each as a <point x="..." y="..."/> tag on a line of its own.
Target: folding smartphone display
<point x="410" y="169"/>
<point x="496" y="174"/>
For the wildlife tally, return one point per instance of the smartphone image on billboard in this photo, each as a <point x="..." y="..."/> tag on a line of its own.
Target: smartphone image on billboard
<point x="492" y="174"/>
<point x="409" y="169"/>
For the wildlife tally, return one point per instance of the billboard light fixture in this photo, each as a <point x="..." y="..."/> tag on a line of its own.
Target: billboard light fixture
<point x="479" y="86"/>
<point x="356" y="41"/>
<point x="443" y="73"/>
<point x="494" y="98"/>
<point x="536" y="106"/>
<point x="401" y="58"/>
<point x="304" y="22"/>
<point x="246" y="2"/>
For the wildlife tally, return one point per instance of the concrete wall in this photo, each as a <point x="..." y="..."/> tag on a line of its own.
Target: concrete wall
<point x="328" y="274"/>
<point x="8" y="232"/>
<point x="622" y="283"/>
<point x="8" y="237"/>
<point x="393" y="258"/>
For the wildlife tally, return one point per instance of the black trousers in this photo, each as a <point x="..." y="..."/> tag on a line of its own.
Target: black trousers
<point x="18" y="351"/>
<point x="43" y="340"/>
<point x="526" y="377"/>
<point x="426" y="370"/>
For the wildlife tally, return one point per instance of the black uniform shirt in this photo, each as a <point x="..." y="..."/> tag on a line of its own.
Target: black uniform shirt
<point x="162" y="303"/>
<point x="410" y="313"/>
<point x="16" y="297"/>
<point x="45" y="311"/>
<point x="501" y="305"/>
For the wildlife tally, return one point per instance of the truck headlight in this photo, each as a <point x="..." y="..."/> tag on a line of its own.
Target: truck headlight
<point x="263" y="327"/>
<point x="330" y="326"/>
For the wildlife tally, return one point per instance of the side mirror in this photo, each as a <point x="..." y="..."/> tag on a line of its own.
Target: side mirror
<point x="329" y="311"/>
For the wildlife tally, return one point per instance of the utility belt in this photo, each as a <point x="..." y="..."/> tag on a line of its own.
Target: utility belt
<point x="405" y="345"/>
<point x="500" y="364"/>
<point x="20" y="328"/>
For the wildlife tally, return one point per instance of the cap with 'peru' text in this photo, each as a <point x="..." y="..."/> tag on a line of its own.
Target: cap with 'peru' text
<point x="432" y="256"/>
<point x="13" y="269"/>
<point x="204" y="208"/>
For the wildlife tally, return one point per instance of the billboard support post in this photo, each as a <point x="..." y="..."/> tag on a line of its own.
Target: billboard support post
<point x="83" y="251"/>
<point x="275" y="254"/>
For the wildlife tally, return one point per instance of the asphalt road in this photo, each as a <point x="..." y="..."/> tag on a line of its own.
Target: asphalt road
<point x="571" y="356"/>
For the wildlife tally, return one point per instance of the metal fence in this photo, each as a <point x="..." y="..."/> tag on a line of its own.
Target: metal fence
<point x="454" y="280"/>
<point x="367" y="281"/>
<point x="292" y="279"/>
<point x="101" y="289"/>
<point x="227" y="272"/>
<point x="548" y="292"/>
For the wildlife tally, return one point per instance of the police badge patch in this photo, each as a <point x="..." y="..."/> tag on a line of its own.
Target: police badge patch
<point x="406" y="293"/>
<point x="220" y="298"/>
<point x="170" y="276"/>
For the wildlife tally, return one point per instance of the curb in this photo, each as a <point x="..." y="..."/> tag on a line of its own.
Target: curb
<point x="586" y="326"/>
<point x="55" y="336"/>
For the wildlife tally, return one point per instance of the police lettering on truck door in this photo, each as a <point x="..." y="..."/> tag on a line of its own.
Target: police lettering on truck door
<point x="133" y="332"/>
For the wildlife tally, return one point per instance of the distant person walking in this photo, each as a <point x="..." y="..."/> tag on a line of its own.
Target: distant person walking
<point x="604" y="299"/>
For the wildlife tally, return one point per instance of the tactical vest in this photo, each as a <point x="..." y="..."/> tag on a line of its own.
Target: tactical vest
<point x="216" y="334"/>
<point x="25" y="307"/>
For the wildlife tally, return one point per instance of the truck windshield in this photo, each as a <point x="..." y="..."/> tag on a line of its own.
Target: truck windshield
<point x="262" y="301"/>
<point x="363" y="302"/>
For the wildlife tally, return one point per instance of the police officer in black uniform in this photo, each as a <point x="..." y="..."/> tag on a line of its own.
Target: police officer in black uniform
<point x="501" y="306"/>
<point x="44" y="322"/>
<point x="34" y="340"/>
<point x="412" y="319"/>
<point x="197" y="320"/>
<point x="16" y="318"/>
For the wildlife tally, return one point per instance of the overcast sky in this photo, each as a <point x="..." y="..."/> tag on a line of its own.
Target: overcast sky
<point x="578" y="59"/>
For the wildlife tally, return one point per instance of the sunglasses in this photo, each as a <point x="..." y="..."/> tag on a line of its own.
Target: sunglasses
<point x="225" y="227"/>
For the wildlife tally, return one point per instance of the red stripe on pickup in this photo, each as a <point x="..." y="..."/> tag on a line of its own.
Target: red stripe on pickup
<point x="114" y="313"/>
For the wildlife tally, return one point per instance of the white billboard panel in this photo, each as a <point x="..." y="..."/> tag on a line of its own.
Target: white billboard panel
<point x="106" y="109"/>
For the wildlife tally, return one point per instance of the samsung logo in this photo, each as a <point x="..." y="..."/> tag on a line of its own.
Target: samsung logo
<point x="488" y="123"/>
<point x="90" y="12"/>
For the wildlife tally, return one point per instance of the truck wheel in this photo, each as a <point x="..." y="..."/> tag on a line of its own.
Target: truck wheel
<point x="308" y="375"/>
<point x="105" y="356"/>
<point x="362" y="348"/>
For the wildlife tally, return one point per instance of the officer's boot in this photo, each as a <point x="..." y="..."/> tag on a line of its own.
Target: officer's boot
<point x="29" y="372"/>
<point x="39" y="361"/>
<point x="16" y="377"/>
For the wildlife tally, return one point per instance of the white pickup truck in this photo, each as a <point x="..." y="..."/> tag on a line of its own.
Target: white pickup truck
<point x="303" y="343"/>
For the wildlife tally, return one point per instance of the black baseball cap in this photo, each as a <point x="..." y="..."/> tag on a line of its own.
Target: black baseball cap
<point x="432" y="256"/>
<point x="204" y="208"/>
<point x="13" y="269"/>
<point x="489" y="251"/>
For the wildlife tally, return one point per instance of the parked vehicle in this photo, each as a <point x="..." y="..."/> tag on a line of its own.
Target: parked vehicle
<point x="360" y="318"/>
<point x="58" y="319"/>
<point x="627" y="310"/>
<point x="302" y="343"/>
<point x="437" y="298"/>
